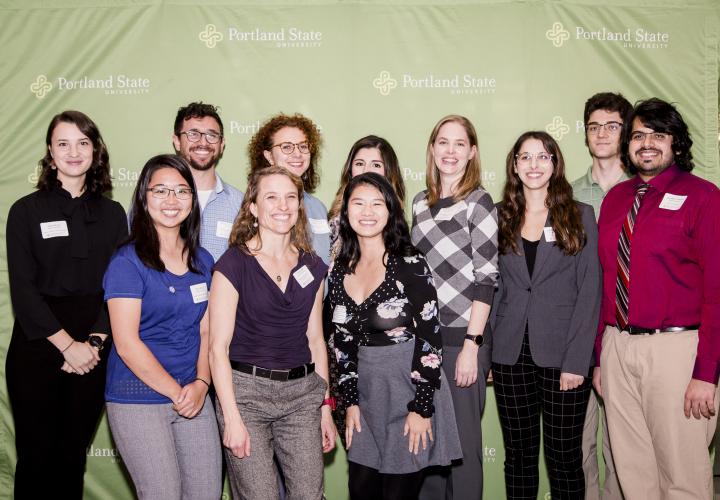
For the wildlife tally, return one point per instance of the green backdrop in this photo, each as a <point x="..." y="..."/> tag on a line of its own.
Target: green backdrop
<point x="356" y="67"/>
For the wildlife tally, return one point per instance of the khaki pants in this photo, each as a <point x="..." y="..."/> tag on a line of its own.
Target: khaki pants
<point x="593" y="418"/>
<point x="659" y="453"/>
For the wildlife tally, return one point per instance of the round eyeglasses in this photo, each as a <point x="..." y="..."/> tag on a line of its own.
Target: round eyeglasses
<point x="195" y="135"/>
<point x="289" y="147"/>
<point x="543" y="159"/>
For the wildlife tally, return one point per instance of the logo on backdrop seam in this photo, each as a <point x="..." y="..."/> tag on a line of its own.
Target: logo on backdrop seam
<point x="210" y="36"/>
<point x="558" y="35"/>
<point x="557" y="128"/>
<point x="384" y="83"/>
<point x="41" y="86"/>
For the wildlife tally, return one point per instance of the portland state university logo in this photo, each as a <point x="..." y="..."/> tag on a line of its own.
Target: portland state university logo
<point x="557" y="128"/>
<point x="384" y="83"/>
<point x="210" y="36"/>
<point x="558" y="35"/>
<point x="41" y="86"/>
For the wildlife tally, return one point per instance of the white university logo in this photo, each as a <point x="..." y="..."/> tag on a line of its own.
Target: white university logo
<point x="210" y="36"/>
<point x="384" y="83"/>
<point x="557" y="128"/>
<point x="558" y="35"/>
<point x="41" y="86"/>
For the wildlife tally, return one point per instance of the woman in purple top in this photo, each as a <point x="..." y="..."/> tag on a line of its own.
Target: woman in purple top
<point x="267" y="353"/>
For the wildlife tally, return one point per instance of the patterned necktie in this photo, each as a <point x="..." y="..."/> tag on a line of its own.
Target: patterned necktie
<point x="622" y="283"/>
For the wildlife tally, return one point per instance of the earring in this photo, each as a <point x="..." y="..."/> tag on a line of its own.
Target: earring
<point x="255" y="224"/>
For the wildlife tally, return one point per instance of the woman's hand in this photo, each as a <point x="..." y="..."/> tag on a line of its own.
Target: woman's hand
<point x="570" y="381"/>
<point x="327" y="427"/>
<point x="352" y="423"/>
<point x="418" y="430"/>
<point x="236" y="438"/>
<point x="191" y="399"/>
<point x="81" y="357"/>
<point x="466" y="367"/>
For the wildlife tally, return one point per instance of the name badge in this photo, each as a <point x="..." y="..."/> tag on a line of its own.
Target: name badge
<point x="450" y="212"/>
<point x="319" y="226"/>
<point x="199" y="292"/>
<point x="672" y="201"/>
<point x="303" y="276"/>
<point x="339" y="315"/>
<point x="54" y="229"/>
<point x="549" y="234"/>
<point x="223" y="229"/>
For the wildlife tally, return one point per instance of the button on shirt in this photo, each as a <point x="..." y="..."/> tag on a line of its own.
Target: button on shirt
<point x="674" y="265"/>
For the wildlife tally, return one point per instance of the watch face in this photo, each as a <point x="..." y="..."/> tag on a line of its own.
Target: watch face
<point x="479" y="340"/>
<point x="95" y="341"/>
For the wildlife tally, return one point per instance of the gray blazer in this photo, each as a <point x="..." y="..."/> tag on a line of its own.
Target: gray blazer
<point x="561" y="304"/>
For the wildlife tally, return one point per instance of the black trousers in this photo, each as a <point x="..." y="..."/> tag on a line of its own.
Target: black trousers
<point x="524" y="391"/>
<point x="55" y="413"/>
<point x="366" y="483"/>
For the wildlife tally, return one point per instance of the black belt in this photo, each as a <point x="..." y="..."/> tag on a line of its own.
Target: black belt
<point x="282" y="375"/>
<point x="634" y="330"/>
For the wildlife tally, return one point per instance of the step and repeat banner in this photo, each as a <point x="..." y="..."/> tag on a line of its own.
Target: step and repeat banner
<point x="356" y="68"/>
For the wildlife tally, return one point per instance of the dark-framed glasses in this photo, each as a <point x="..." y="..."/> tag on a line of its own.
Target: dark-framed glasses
<point x="638" y="136"/>
<point x="162" y="192"/>
<point x="543" y="159"/>
<point x="613" y="128"/>
<point x="288" y="148"/>
<point x="195" y="135"/>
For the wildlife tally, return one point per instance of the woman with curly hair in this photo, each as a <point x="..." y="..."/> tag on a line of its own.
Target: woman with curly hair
<point x="389" y="349"/>
<point x="267" y="354"/>
<point x="59" y="242"/>
<point x="546" y="315"/>
<point x="293" y="143"/>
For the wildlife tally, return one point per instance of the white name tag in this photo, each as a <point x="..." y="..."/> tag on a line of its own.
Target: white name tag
<point x="199" y="292"/>
<point x="319" y="226"/>
<point x="450" y="212"/>
<point x="54" y="229"/>
<point x="672" y="201"/>
<point x="549" y="234"/>
<point x="339" y="315"/>
<point x="303" y="276"/>
<point x="223" y="229"/>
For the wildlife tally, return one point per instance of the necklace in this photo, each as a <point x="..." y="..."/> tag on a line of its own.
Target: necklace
<point x="278" y="278"/>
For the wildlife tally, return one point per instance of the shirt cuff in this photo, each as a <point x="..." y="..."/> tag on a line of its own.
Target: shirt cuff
<point x="349" y="394"/>
<point x="423" y="402"/>
<point x="706" y="370"/>
<point x="483" y="293"/>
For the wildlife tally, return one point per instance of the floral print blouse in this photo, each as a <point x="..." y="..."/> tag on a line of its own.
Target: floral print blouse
<point x="402" y="309"/>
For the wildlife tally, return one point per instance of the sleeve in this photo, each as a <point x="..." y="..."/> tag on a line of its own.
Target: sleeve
<point x="119" y="223"/>
<point x="228" y="265"/>
<point x="707" y="362"/>
<point x="346" y="349"/>
<point x="483" y="226"/>
<point x="584" y="320"/>
<point x="31" y="311"/>
<point x="123" y="278"/>
<point x="417" y="282"/>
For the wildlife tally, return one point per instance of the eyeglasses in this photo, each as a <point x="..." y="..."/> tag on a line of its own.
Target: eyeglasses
<point x="612" y="128"/>
<point x="162" y="192"/>
<point x="543" y="159"/>
<point x="289" y="147"/>
<point x="194" y="136"/>
<point x="638" y="136"/>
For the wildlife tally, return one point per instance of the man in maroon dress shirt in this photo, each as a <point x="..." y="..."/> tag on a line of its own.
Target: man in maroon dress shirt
<point x="659" y="337"/>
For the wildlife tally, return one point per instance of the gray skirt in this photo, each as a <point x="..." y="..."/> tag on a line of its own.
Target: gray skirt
<point x="385" y="389"/>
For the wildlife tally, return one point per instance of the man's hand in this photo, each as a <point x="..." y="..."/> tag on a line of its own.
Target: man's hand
<point x="700" y="399"/>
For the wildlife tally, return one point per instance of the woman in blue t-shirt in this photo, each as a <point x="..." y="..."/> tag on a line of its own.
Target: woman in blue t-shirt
<point x="267" y="352"/>
<point x="158" y="375"/>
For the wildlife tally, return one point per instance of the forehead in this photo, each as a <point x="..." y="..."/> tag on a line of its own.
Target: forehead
<point x="289" y="134"/>
<point x="366" y="191"/>
<point x="532" y="146"/>
<point x="168" y="176"/>
<point x="276" y="183"/>
<point x="67" y="130"/>
<point x="604" y="116"/>
<point x="453" y="130"/>
<point x="201" y="124"/>
<point x="637" y="124"/>
<point x="368" y="154"/>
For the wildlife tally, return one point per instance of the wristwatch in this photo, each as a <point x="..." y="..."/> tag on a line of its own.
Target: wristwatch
<point x="478" y="339"/>
<point x="330" y="402"/>
<point x="96" y="341"/>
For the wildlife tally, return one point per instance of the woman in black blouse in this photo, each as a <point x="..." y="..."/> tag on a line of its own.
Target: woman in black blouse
<point x="387" y="342"/>
<point x="59" y="242"/>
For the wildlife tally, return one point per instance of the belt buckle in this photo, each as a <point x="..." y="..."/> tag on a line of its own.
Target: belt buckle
<point x="279" y="375"/>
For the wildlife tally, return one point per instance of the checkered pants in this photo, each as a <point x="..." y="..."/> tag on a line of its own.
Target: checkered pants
<point x="523" y="392"/>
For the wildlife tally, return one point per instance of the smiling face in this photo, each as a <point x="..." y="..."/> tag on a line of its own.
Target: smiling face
<point x="368" y="160"/>
<point x="651" y="152"/>
<point x="295" y="162"/>
<point x="452" y="151"/>
<point x="367" y="211"/>
<point x="533" y="165"/>
<point x="71" y="151"/>
<point x="201" y="155"/>
<point x="169" y="212"/>
<point x="604" y="143"/>
<point x="277" y="204"/>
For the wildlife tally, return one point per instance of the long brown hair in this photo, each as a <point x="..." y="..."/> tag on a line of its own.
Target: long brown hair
<point x="470" y="180"/>
<point x="244" y="229"/>
<point x="565" y="215"/>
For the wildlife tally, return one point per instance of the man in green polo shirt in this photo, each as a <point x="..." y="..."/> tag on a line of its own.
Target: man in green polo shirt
<point x="605" y="118"/>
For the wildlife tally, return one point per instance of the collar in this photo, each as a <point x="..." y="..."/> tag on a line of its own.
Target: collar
<point x="662" y="181"/>
<point x="219" y="186"/>
<point x="592" y="182"/>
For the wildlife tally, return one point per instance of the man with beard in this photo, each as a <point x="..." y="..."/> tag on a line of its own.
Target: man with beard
<point x="606" y="116"/>
<point x="199" y="139"/>
<point x="660" y="350"/>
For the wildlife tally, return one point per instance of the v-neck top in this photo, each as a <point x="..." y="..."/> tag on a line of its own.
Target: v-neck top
<point x="271" y="325"/>
<point x="530" y="249"/>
